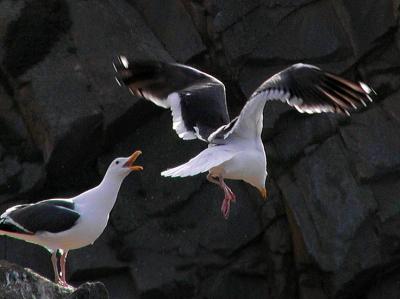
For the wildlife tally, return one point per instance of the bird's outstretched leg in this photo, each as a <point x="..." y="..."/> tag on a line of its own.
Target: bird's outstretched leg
<point x="229" y="195"/>
<point x="63" y="278"/>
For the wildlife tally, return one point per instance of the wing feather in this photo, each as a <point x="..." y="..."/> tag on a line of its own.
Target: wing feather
<point x="305" y="87"/>
<point x="196" y="99"/>
<point x="207" y="159"/>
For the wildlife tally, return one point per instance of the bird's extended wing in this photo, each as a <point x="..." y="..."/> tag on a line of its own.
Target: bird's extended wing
<point x="196" y="99"/>
<point x="54" y="215"/>
<point x="305" y="87"/>
<point x="207" y="159"/>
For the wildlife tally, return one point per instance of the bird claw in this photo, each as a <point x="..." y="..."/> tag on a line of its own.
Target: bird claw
<point x="64" y="284"/>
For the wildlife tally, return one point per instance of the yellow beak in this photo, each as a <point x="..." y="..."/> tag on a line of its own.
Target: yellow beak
<point x="132" y="158"/>
<point x="264" y="193"/>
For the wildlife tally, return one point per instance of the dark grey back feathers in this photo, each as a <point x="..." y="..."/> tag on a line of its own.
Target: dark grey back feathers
<point x="49" y="215"/>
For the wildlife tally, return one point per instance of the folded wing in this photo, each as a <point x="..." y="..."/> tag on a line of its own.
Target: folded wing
<point x="53" y="216"/>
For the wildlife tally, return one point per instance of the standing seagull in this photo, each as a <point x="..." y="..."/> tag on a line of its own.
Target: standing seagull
<point x="235" y="150"/>
<point x="65" y="224"/>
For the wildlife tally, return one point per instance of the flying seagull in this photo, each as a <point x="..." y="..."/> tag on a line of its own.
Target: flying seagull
<point x="60" y="225"/>
<point x="235" y="149"/>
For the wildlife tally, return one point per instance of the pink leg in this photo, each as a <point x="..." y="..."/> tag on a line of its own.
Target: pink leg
<point x="55" y="267"/>
<point x="63" y="260"/>
<point x="229" y="195"/>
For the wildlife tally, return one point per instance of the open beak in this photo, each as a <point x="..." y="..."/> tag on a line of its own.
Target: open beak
<point x="264" y="193"/>
<point x="131" y="160"/>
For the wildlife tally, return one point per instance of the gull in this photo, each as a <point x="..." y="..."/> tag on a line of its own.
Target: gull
<point x="61" y="225"/>
<point x="235" y="149"/>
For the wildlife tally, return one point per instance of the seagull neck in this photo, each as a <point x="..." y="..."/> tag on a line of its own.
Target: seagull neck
<point x="108" y="189"/>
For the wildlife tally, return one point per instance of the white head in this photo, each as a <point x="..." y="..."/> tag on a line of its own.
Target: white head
<point x="121" y="167"/>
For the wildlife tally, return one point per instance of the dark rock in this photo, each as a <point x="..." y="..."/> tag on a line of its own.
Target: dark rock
<point x="272" y="112"/>
<point x="120" y="285"/>
<point x="364" y="32"/>
<point x="189" y="237"/>
<point x="229" y="13"/>
<point x="288" y="37"/>
<point x="327" y="202"/>
<point x="369" y="139"/>
<point x="386" y="287"/>
<point x="380" y="67"/>
<point x="29" y="38"/>
<point x="294" y="136"/>
<point x="13" y="132"/>
<point x="27" y="255"/>
<point x="235" y="286"/>
<point x="90" y="290"/>
<point x="365" y="257"/>
<point x="258" y="24"/>
<point x="311" y="286"/>
<point x="391" y="105"/>
<point x="273" y="208"/>
<point x="18" y="282"/>
<point x="386" y="193"/>
<point x="156" y="276"/>
<point x="277" y="236"/>
<point x="173" y="27"/>
<point x="10" y="10"/>
<point x="95" y="260"/>
<point x="58" y="109"/>
<point x="100" y="32"/>
<point x="32" y="177"/>
<point x="9" y="170"/>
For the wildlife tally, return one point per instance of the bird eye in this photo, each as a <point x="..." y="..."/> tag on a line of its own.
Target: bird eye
<point x="117" y="162"/>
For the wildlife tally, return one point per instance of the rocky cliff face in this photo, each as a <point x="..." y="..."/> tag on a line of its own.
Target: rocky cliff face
<point x="330" y="228"/>
<point x="17" y="282"/>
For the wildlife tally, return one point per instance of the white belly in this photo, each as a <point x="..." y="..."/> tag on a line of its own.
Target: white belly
<point x="249" y="166"/>
<point x="84" y="233"/>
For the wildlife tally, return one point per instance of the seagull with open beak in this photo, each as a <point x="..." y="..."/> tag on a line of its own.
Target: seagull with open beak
<point x="61" y="225"/>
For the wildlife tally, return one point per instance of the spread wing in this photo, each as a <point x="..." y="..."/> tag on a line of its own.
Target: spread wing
<point x="305" y="87"/>
<point x="196" y="99"/>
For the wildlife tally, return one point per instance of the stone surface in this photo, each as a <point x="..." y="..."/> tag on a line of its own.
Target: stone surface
<point x="302" y="132"/>
<point x="58" y="108"/>
<point x="90" y="290"/>
<point x="21" y="253"/>
<point x="328" y="203"/>
<point x="19" y="282"/>
<point x="29" y="38"/>
<point x="363" y="33"/>
<point x="174" y="27"/>
<point x="101" y="30"/>
<point x="380" y="67"/>
<point x="95" y="260"/>
<point x="369" y="139"/>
